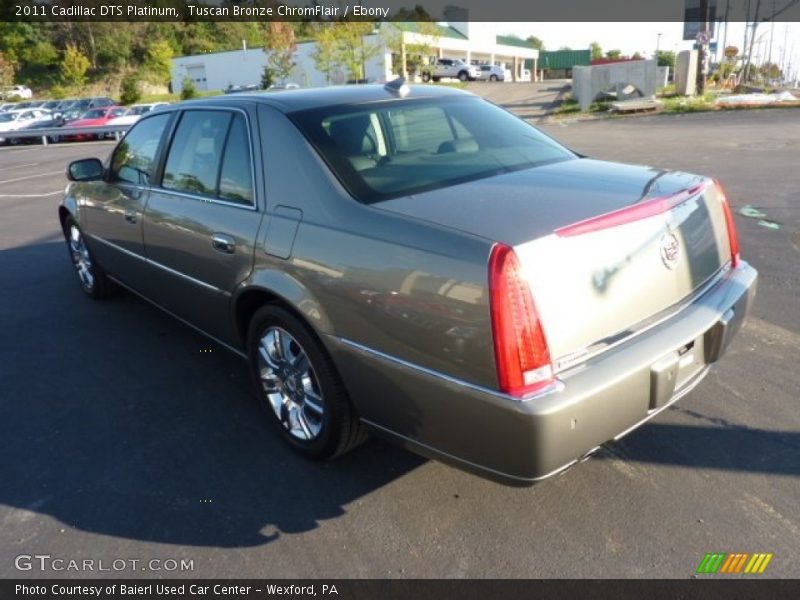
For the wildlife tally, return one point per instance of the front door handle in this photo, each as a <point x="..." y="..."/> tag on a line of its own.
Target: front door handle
<point x="130" y="216"/>
<point x="223" y="243"/>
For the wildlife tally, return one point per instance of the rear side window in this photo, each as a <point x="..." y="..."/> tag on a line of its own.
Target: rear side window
<point x="210" y="156"/>
<point x="133" y="158"/>
<point x="236" y="178"/>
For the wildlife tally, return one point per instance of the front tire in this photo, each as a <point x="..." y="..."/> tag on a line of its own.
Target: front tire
<point x="463" y="76"/>
<point x="493" y="78"/>
<point x="91" y="276"/>
<point x="299" y="386"/>
<point x="426" y="77"/>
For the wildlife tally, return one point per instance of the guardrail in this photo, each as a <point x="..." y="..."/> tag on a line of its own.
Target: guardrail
<point x="63" y="132"/>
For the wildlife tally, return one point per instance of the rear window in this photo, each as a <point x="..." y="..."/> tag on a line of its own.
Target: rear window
<point x="390" y="149"/>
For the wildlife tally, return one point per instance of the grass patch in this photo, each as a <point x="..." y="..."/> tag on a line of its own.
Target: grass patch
<point x="570" y="106"/>
<point x="684" y="104"/>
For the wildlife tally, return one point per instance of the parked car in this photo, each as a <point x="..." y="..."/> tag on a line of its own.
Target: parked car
<point x="20" y="91"/>
<point x="96" y="117"/>
<point x="50" y="121"/>
<point x="236" y="89"/>
<point x="491" y="73"/>
<point x="7" y="106"/>
<point x="451" y="67"/>
<point x="277" y="87"/>
<point x="13" y="120"/>
<point x="87" y="103"/>
<point x="442" y="273"/>
<point x="135" y="112"/>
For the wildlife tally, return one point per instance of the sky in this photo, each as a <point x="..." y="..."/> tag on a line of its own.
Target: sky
<point x="643" y="37"/>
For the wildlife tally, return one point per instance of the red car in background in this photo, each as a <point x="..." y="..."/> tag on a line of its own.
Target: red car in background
<point x="95" y="117"/>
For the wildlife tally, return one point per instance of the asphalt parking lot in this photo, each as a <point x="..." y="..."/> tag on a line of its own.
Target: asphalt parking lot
<point x="126" y="435"/>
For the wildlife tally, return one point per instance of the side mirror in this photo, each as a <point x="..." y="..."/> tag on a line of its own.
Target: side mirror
<point x="87" y="169"/>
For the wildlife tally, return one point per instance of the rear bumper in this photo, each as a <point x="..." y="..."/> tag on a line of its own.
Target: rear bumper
<point x="601" y="400"/>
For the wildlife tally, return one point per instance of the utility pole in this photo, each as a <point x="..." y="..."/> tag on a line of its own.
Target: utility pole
<point x="703" y="38"/>
<point x="752" y="41"/>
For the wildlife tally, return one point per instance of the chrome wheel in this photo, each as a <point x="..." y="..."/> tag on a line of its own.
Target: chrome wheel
<point x="81" y="258"/>
<point x="290" y="384"/>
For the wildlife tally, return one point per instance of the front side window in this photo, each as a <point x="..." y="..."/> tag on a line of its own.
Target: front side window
<point x="210" y="156"/>
<point x="133" y="159"/>
<point x="409" y="146"/>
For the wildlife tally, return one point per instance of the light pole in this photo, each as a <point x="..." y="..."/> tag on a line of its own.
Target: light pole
<point x="658" y="43"/>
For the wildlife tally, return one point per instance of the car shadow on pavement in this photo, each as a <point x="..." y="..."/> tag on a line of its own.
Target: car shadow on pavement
<point x="117" y="419"/>
<point x="722" y="446"/>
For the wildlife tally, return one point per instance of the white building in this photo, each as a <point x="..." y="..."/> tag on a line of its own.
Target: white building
<point x="474" y="42"/>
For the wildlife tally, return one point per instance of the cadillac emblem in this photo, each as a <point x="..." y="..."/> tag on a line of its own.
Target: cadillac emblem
<point x="670" y="249"/>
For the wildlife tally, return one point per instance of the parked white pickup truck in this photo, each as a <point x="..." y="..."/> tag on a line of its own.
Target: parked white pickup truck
<point x="451" y="67"/>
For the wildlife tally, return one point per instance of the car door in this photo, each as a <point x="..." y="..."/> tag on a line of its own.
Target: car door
<point x="113" y="208"/>
<point x="202" y="219"/>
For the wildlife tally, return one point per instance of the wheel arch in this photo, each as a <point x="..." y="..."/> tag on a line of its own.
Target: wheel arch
<point x="282" y="290"/>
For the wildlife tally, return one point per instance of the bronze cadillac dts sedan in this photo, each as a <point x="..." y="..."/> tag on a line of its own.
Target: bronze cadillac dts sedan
<point x="418" y="263"/>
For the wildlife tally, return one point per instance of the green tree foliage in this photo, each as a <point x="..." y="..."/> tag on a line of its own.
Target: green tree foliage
<point x="416" y="52"/>
<point x="614" y="54"/>
<point x="129" y="89"/>
<point x="325" y="55"/>
<point x="74" y="66"/>
<point x="535" y="42"/>
<point x="352" y="49"/>
<point x="597" y="51"/>
<point x="280" y="46"/>
<point x="189" y="89"/>
<point x="7" y="71"/>
<point x="158" y="61"/>
<point x="666" y="58"/>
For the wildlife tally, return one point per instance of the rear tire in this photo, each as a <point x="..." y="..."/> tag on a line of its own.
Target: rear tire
<point x="91" y="276"/>
<point x="493" y="78"/>
<point x="298" y="384"/>
<point x="426" y="77"/>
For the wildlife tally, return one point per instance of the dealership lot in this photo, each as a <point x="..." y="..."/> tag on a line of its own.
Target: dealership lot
<point x="125" y="436"/>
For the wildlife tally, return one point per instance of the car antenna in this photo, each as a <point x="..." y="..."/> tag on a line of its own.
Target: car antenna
<point x="398" y="87"/>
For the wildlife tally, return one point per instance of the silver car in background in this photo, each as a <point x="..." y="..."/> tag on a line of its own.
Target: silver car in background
<point x="417" y="263"/>
<point x="491" y="73"/>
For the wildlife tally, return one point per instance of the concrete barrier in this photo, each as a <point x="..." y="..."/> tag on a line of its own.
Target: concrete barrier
<point x="630" y="79"/>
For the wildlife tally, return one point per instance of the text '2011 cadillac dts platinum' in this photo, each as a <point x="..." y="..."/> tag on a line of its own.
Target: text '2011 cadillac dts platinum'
<point x="423" y="265"/>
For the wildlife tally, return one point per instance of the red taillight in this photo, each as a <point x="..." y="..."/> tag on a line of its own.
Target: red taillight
<point x="520" y="347"/>
<point x="734" y="241"/>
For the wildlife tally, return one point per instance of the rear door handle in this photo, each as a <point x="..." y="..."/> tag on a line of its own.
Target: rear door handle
<point x="130" y="216"/>
<point x="223" y="243"/>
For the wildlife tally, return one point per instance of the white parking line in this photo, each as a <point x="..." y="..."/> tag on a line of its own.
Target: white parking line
<point x="19" y="166"/>
<point x="31" y="195"/>
<point x="60" y="171"/>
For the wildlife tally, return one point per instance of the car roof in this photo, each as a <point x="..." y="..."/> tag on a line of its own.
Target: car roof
<point x="292" y="100"/>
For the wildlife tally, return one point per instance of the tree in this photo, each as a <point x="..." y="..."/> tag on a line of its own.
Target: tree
<point x="129" y="89"/>
<point x="74" y="66"/>
<point x="325" y="55"/>
<point x="280" y="47"/>
<point x="565" y="49"/>
<point x="413" y="54"/>
<point x="189" y="90"/>
<point x="158" y="61"/>
<point x="613" y="54"/>
<point x="7" y="71"/>
<point x="352" y="50"/>
<point x="637" y="56"/>
<point x="597" y="51"/>
<point x="666" y="58"/>
<point x="535" y="42"/>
